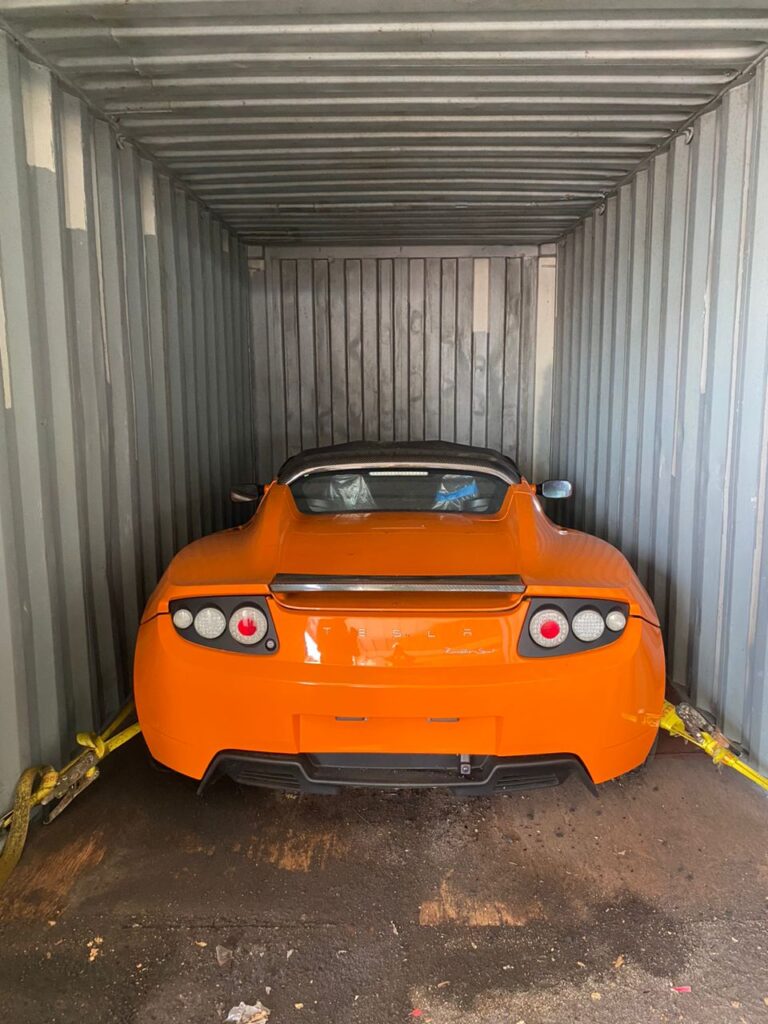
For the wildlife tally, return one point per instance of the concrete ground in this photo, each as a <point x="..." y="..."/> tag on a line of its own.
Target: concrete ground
<point x="144" y="903"/>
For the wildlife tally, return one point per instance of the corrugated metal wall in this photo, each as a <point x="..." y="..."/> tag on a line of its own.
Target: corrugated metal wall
<point x="124" y="371"/>
<point x="379" y="345"/>
<point x="660" y="410"/>
<point x="346" y="121"/>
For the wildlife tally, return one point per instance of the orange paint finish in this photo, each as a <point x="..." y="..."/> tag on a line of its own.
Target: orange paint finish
<point x="397" y="663"/>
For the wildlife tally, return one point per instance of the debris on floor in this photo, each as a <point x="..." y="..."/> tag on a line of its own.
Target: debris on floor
<point x="245" y="1014"/>
<point x="223" y="956"/>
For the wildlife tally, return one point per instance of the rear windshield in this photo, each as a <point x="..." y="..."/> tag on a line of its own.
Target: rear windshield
<point x="399" y="490"/>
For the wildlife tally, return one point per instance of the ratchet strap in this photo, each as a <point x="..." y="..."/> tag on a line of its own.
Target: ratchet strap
<point x="687" y="722"/>
<point x="43" y="784"/>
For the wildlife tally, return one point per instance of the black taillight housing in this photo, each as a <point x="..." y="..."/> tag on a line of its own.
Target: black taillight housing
<point x="237" y="622"/>
<point x="570" y="625"/>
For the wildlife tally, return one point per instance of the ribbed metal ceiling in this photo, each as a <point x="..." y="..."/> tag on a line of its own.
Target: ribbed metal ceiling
<point x="347" y="122"/>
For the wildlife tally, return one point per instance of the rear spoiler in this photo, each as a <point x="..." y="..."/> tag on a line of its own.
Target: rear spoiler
<point x="285" y="583"/>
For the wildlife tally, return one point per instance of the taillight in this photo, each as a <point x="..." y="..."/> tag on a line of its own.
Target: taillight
<point x="548" y="628"/>
<point x="616" y="620"/>
<point x="210" y="623"/>
<point x="556" y="626"/>
<point x="183" y="618"/>
<point x="248" y="625"/>
<point x="240" y="623"/>
<point x="588" y="625"/>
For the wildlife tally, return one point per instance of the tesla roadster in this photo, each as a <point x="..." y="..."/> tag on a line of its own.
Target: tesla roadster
<point x="400" y="615"/>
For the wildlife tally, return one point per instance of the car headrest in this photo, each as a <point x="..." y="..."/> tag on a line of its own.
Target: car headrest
<point x="349" y="492"/>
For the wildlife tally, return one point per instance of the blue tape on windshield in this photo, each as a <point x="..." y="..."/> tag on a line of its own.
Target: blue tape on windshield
<point x="446" y="498"/>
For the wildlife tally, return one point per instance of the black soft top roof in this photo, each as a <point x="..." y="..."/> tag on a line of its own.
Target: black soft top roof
<point x="355" y="454"/>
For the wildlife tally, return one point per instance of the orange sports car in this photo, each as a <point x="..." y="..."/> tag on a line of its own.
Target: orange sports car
<point x="400" y="615"/>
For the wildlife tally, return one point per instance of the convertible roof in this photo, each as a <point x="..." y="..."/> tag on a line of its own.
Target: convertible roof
<point x="356" y="454"/>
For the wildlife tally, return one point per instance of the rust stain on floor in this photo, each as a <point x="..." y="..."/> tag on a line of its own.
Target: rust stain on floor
<point x="453" y="907"/>
<point x="193" y="845"/>
<point x="367" y="906"/>
<point x="41" y="889"/>
<point x="297" y="851"/>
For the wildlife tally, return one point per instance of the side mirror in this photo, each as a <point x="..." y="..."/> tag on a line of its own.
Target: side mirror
<point x="247" y="492"/>
<point x="555" y="489"/>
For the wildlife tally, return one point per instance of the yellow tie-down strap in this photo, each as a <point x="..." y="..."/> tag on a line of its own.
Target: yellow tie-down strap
<point x="697" y="730"/>
<point x="44" y="784"/>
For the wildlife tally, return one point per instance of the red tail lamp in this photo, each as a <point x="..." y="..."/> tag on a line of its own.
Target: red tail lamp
<point x="548" y="627"/>
<point x="248" y="625"/>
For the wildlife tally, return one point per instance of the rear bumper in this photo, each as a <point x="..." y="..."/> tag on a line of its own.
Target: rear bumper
<point x="601" y="707"/>
<point x="329" y="773"/>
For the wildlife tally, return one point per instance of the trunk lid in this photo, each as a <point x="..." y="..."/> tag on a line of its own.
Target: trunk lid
<point x="355" y="558"/>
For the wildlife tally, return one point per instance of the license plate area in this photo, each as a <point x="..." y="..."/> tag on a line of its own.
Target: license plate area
<point x="439" y="734"/>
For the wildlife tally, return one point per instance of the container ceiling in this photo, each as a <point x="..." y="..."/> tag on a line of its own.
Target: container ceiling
<point x="386" y="123"/>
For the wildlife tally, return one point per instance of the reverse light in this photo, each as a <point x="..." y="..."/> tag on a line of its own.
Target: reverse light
<point x="588" y="625"/>
<point x="248" y="625"/>
<point x="183" y="618"/>
<point x="616" y="620"/>
<point x="548" y="628"/>
<point x="210" y="623"/>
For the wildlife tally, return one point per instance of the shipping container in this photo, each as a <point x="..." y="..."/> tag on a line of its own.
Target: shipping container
<point x="231" y="231"/>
